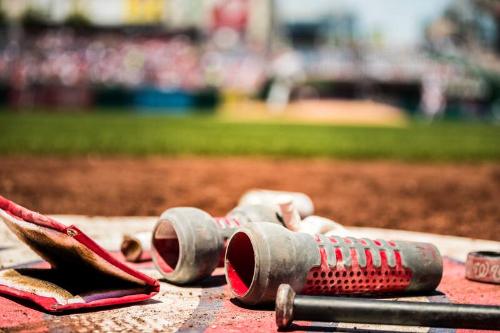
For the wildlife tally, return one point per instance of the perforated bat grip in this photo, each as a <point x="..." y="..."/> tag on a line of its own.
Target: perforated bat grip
<point x="350" y="266"/>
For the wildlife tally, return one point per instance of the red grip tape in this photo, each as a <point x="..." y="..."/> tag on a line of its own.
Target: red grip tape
<point x="355" y="279"/>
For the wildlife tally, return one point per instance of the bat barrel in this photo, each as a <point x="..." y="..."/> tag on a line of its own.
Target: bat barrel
<point x="291" y="307"/>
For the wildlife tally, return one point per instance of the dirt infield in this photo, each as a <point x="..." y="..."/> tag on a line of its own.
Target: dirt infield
<point x="439" y="198"/>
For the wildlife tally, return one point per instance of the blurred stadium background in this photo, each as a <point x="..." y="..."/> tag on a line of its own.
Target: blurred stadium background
<point x="350" y="62"/>
<point x="439" y="58"/>
<point x="358" y="79"/>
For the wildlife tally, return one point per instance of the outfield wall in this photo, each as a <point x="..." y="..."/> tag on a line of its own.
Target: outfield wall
<point x="110" y="97"/>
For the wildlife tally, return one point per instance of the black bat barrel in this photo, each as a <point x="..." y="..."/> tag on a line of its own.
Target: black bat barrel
<point x="370" y="311"/>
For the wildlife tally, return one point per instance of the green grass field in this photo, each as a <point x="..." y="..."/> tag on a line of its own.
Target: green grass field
<point x="132" y="134"/>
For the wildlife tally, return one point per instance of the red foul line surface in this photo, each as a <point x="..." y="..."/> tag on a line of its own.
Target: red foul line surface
<point x="223" y="314"/>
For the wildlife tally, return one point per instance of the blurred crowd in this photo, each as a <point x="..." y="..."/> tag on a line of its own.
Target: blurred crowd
<point x="47" y="66"/>
<point x="68" y="59"/>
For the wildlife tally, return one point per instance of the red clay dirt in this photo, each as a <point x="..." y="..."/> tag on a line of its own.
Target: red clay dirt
<point x="450" y="199"/>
